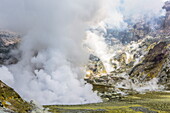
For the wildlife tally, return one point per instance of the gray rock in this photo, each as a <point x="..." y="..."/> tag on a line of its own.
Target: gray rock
<point x="8" y="42"/>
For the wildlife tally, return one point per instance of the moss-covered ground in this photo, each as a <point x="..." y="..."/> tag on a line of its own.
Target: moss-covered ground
<point x="11" y="100"/>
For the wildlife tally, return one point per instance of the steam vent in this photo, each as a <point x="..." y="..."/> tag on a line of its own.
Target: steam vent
<point x="88" y="56"/>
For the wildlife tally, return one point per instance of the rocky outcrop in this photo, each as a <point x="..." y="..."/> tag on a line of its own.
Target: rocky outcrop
<point x="154" y="65"/>
<point x="8" y="42"/>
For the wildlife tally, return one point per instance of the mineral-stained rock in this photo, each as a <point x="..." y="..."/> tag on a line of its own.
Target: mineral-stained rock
<point x="153" y="62"/>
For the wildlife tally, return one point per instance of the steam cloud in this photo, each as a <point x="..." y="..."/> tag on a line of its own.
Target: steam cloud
<point x="50" y="70"/>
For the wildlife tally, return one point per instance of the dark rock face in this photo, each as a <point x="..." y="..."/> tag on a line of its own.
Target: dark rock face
<point x="158" y="53"/>
<point x="8" y="42"/>
<point x="153" y="62"/>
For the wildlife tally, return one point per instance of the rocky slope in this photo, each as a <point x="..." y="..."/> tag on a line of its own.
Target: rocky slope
<point x="141" y="65"/>
<point x="145" y="64"/>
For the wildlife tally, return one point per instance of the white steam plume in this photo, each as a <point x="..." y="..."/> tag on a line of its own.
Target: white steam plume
<point x="52" y="54"/>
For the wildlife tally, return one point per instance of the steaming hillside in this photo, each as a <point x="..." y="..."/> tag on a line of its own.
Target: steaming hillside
<point x="46" y="58"/>
<point x="132" y="60"/>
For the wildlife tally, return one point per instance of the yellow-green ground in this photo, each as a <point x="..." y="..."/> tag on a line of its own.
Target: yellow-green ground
<point x="11" y="100"/>
<point x="153" y="102"/>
